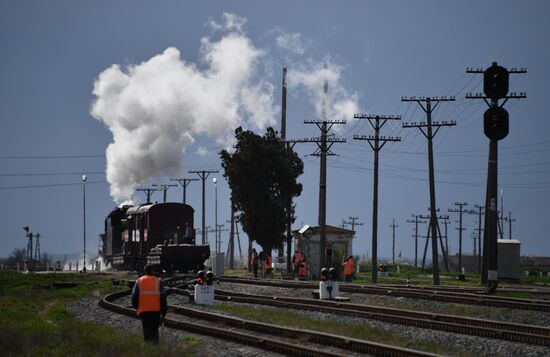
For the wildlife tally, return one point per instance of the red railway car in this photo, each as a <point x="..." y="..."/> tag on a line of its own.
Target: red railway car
<point x="161" y="234"/>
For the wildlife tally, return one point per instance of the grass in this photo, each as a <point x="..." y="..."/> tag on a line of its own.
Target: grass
<point x="298" y="320"/>
<point x="34" y="321"/>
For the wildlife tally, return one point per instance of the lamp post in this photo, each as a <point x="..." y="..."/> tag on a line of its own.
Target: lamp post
<point x="84" y="178"/>
<point x="215" y="180"/>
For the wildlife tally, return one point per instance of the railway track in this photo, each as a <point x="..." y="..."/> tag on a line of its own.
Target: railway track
<point x="530" y="334"/>
<point x="424" y="293"/>
<point x="275" y="345"/>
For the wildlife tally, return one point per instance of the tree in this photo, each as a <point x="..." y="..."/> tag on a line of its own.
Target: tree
<point x="262" y="173"/>
<point x="17" y="256"/>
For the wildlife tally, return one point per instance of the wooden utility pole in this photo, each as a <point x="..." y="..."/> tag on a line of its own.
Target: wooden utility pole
<point x="460" y="229"/>
<point x="376" y="143"/>
<point x="353" y="224"/>
<point x="393" y="225"/>
<point x="324" y="144"/>
<point x="288" y="199"/>
<point x="430" y="134"/>
<point x="416" y="221"/>
<point x="184" y="182"/>
<point x="444" y="250"/>
<point x="164" y="188"/>
<point x="148" y="192"/>
<point x="481" y="211"/>
<point x="510" y="220"/>
<point x="203" y="174"/>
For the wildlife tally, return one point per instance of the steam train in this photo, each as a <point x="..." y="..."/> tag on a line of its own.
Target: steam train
<point x="160" y="234"/>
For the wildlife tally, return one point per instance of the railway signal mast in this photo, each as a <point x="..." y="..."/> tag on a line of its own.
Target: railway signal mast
<point x="495" y="127"/>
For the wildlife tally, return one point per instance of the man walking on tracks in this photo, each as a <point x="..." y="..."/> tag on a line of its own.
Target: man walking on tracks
<point x="150" y="302"/>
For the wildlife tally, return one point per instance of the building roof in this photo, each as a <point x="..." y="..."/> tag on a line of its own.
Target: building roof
<point x="329" y="229"/>
<point x="508" y="241"/>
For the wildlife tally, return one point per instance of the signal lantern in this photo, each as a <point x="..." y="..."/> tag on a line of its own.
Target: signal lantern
<point x="495" y="81"/>
<point x="496" y="123"/>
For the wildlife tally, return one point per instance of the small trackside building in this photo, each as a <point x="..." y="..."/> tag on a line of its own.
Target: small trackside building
<point x="338" y="246"/>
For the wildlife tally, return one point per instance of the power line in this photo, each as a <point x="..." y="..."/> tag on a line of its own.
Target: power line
<point x="52" y="157"/>
<point x="51" y="174"/>
<point x="49" y="185"/>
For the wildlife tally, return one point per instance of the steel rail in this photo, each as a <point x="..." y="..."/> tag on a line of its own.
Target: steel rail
<point x="461" y="298"/>
<point x="455" y="324"/>
<point x="347" y="343"/>
<point x="239" y="337"/>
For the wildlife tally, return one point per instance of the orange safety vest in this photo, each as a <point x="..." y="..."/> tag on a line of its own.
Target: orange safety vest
<point x="268" y="262"/>
<point x="349" y="267"/>
<point x="254" y="260"/>
<point x="149" y="294"/>
<point x="297" y="258"/>
<point x="303" y="269"/>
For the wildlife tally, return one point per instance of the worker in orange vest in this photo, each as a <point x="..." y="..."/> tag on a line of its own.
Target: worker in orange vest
<point x="296" y="261"/>
<point x="349" y="269"/>
<point x="302" y="270"/>
<point x="254" y="261"/>
<point x="269" y="266"/>
<point x="149" y="299"/>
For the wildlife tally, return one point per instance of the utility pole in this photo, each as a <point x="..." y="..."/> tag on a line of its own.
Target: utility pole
<point x="164" y="188"/>
<point x="324" y="143"/>
<point x="203" y="174"/>
<point x="416" y="221"/>
<point x="288" y="198"/>
<point x="205" y="232"/>
<point x="353" y="224"/>
<point x="475" y="237"/>
<point x="37" y="250"/>
<point x="440" y="237"/>
<point x="510" y="220"/>
<point x="376" y="143"/>
<point x="495" y="127"/>
<point x="231" y="243"/>
<point x="184" y="182"/>
<point x="29" y="257"/>
<point x="218" y="231"/>
<point x="481" y="210"/>
<point x="446" y="236"/>
<point x="460" y="229"/>
<point x="393" y="225"/>
<point x="501" y="215"/>
<point x="429" y="134"/>
<point x="148" y="192"/>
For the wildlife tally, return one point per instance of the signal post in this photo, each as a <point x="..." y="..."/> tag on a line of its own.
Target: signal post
<point x="495" y="127"/>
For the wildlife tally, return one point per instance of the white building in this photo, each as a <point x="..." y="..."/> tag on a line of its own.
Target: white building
<point x="338" y="246"/>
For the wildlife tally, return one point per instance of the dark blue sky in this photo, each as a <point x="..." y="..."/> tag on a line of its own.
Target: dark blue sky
<point x="52" y="52"/>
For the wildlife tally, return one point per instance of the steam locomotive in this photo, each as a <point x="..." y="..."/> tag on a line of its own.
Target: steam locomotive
<point x="160" y="234"/>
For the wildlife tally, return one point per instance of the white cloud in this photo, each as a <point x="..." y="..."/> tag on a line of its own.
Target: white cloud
<point x="292" y="42"/>
<point x="311" y="78"/>
<point x="231" y="22"/>
<point x="155" y="109"/>
<point x="202" y="151"/>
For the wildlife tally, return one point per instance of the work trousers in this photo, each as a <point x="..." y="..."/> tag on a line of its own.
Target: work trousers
<point x="150" y="322"/>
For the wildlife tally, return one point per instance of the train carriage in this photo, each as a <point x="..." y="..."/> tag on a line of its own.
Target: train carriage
<point x="160" y="234"/>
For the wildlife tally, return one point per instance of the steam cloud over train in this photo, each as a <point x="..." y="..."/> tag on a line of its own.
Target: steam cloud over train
<point x="160" y="234"/>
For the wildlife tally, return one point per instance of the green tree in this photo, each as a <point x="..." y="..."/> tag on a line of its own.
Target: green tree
<point x="262" y="174"/>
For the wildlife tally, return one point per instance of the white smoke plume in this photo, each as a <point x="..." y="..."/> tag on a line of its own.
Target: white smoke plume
<point x="311" y="77"/>
<point x="155" y="109"/>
